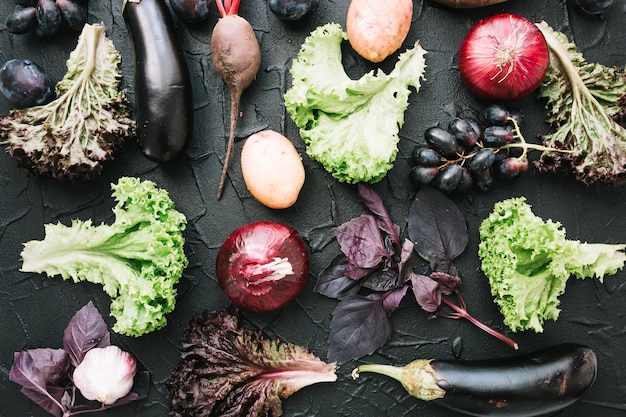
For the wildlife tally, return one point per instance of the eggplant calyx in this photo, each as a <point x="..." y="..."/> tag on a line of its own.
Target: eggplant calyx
<point x="418" y="377"/>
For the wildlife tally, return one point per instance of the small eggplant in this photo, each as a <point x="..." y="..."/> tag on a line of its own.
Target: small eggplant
<point x="163" y="104"/>
<point x="529" y="385"/>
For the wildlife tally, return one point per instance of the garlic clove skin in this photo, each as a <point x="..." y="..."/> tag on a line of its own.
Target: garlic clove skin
<point x="105" y="374"/>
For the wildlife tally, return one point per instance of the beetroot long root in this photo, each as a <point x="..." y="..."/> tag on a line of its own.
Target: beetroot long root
<point x="236" y="58"/>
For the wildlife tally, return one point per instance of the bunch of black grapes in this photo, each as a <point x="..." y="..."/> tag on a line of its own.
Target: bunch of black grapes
<point x="469" y="154"/>
<point x="47" y="17"/>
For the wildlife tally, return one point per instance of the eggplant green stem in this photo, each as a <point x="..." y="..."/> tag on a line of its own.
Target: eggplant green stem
<point x="418" y="377"/>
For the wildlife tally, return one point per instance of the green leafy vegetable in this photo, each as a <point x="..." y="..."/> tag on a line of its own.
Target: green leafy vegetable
<point x="72" y="136"/>
<point x="350" y="126"/>
<point x="585" y="101"/>
<point x="528" y="262"/>
<point x="230" y="371"/>
<point x="138" y="259"/>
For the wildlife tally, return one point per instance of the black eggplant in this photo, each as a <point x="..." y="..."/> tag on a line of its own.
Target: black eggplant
<point x="533" y="384"/>
<point x="163" y="102"/>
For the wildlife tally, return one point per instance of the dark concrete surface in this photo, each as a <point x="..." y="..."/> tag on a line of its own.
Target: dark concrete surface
<point x="35" y="309"/>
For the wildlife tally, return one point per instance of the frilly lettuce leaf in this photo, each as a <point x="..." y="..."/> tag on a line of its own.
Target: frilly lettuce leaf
<point x="585" y="104"/>
<point x="74" y="135"/>
<point x="138" y="259"/>
<point x="528" y="262"/>
<point x="350" y="126"/>
<point x="228" y="371"/>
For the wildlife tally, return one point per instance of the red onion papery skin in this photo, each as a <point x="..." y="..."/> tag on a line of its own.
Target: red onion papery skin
<point x="504" y="57"/>
<point x="253" y="247"/>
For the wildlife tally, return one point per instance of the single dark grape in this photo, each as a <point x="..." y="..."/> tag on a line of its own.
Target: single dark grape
<point x="292" y="9"/>
<point x="496" y="115"/>
<point x="25" y="83"/>
<point x="510" y="168"/>
<point x="22" y="20"/>
<point x="191" y="10"/>
<point x="475" y="125"/>
<point x="449" y="178"/>
<point x="495" y="136"/>
<point x="422" y="175"/>
<point x="463" y="131"/>
<point x="73" y="14"/>
<point x="48" y="17"/>
<point x="482" y="160"/>
<point x="423" y="155"/>
<point x="466" y="182"/>
<point x="592" y="7"/>
<point x="483" y="180"/>
<point x="441" y="140"/>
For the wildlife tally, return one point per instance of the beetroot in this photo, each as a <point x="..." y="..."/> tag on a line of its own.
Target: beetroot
<point x="262" y="266"/>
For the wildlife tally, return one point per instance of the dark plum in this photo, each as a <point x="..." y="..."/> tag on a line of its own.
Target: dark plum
<point x="425" y="156"/>
<point x="292" y="9"/>
<point x="449" y="178"/>
<point x="22" y="20"/>
<point x="421" y="175"/>
<point x="48" y="18"/>
<point x="463" y="131"/>
<point x="482" y="160"/>
<point x="73" y="14"/>
<point x="592" y="7"/>
<point x="441" y="140"/>
<point x="495" y="136"/>
<point x="25" y="83"/>
<point x="191" y="10"/>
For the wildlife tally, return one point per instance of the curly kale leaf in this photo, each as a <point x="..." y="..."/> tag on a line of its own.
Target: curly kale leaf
<point x="72" y="136"/>
<point x="138" y="259"/>
<point x="350" y="126"/>
<point x="528" y="261"/>
<point x="586" y="104"/>
<point x="227" y="371"/>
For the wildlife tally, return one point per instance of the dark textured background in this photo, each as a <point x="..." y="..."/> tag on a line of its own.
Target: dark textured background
<point x="35" y="309"/>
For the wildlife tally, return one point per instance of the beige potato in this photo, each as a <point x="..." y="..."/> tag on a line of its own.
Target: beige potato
<point x="272" y="169"/>
<point x="377" y="30"/>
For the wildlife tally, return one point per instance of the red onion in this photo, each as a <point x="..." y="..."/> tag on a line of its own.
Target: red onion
<point x="262" y="266"/>
<point x="503" y="57"/>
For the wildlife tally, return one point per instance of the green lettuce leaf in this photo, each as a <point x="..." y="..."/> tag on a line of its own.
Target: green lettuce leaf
<point x="138" y="259"/>
<point x="528" y="261"/>
<point x="350" y="126"/>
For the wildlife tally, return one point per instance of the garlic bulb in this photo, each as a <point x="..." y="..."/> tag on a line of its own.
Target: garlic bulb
<point x="105" y="374"/>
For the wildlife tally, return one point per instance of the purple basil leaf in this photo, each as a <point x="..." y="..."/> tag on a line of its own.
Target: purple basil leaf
<point x="51" y="401"/>
<point x="356" y="273"/>
<point x="53" y="364"/>
<point x="359" y="326"/>
<point x="436" y="225"/>
<point x="332" y="281"/>
<point x="407" y="251"/>
<point x="426" y="292"/>
<point x="393" y="299"/>
<point x="382" y="280"/>
<point x="86" y="330"/>
<point x="447" y="283"/>
<point x="33" y="382"/>
<point x="440" y="262"/>
<point x="373" y="204"/>
<point x="361" y="241"/>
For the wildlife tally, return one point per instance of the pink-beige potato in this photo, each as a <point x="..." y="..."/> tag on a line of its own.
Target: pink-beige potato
<point x="272" y="169"/>
<point x="376" y="30"/>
